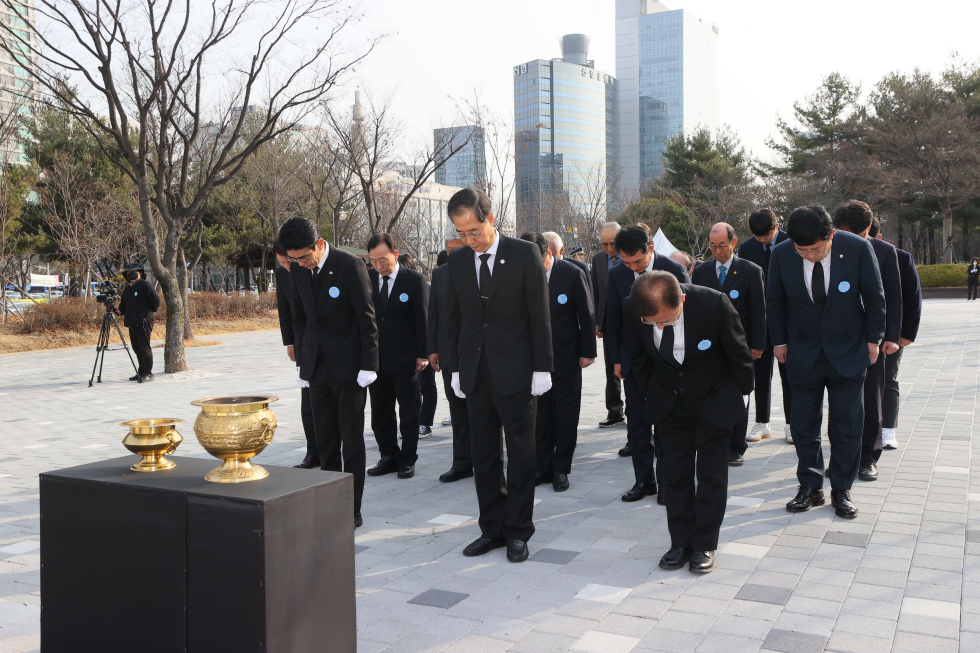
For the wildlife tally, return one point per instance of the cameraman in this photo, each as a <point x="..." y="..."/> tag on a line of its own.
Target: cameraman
<point x="138" y="304"/>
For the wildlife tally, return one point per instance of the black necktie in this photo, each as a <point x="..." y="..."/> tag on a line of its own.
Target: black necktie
<point x="817" y="288"/>
<point x="484" y="278"/>
<point x="384" y="292"/>
<point x="768" y="251"/>
<point x="667" y="345"/>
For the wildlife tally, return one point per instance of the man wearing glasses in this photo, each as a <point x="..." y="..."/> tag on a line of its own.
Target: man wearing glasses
<point x="336" y="343"/>
<point x="826" y="315"/>
<point x="500" y="360"/>
<point x="690" y="358"/>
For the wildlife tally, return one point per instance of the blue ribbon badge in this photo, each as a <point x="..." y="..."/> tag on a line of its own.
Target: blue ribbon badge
<point x="403" y="297"/>
<point x="844" y="286"/>
<point x="704" y="344"/>
<point x="562" y="299"/>
<point x="733" y="294"/>
<point x="135" y="293"/>
<point x="334" y="292"/>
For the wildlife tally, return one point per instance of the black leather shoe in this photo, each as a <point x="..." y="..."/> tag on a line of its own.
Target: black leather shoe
<point x="135" y="377"/>
<point x="560" y="483"/>
<point x="868" y="472"/>
<point x="455" y="474"/>
<point x="516" y="550"/>
<point x="626" y="451"/>
<point x="805" y="499"/>
<point x="702" y="562"/>
<point x="540" y="479"/>
<point x="735" y="460"/>
<point x="611" y="421"/>
<point x="483" y="545"/>
<point x="675" y="558"/>
<point x="841" y="501"/>
<point x="408" y="471"/>
<point x="662" y="497"/>
<point x="639" y="491"/>
<point x="146" y="378"/>
<point x="309" y="462"/>
<point x="385" y="466"/>
<point x="358" y="520"/>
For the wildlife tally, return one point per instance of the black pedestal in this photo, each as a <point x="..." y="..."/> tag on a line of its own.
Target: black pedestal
<point x="167" y="562"/>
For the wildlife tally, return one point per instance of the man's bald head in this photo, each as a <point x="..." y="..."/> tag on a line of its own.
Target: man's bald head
<point x="554" y="242"/>
<point x="656" y="294"/>
<point x="722" y="241"/>
<point x="607" y="236"/>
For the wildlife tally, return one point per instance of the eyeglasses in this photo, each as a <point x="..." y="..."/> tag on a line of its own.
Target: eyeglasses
<point x="714" y="248"/>
<point x="815" y="250"/>
<point x="305" y="257"/>
<point x="472" y="234"/>
<point x="661" y="325"/>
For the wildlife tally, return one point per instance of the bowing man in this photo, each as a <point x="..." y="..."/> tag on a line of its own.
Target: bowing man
<point x="690" y="357"/>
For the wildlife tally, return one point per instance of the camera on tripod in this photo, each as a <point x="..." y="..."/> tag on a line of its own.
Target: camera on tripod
<point x="108" y="294"/>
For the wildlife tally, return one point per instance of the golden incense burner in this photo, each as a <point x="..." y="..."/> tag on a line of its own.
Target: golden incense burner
<point x="235" y="429"/>
<point x="152" y="439"/>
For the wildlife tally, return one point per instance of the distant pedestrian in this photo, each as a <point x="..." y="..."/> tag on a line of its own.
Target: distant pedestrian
<point x="972" y="278"/>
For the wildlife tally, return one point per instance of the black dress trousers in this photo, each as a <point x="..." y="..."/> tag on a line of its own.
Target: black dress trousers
<point x="140" y="340"/>
<point x="338" y="416"/>
<point x="402" y="387"/>
<point x="506" y="506"/>
<point x="614" y="396"/>
<point x="891" y="399"/>
<point x="694" y="448"/>
<point x="874" y="390"/>
<point x="556" y="431"/>
<point x="462" y="438"/>
<point x="763" y="385"/>
<point x="643" y="441"/>
<point x="430" y="396"/>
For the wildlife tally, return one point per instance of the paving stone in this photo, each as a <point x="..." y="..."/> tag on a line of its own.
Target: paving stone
<point x="846" y="539"/>
<point x="439" y="598"/>
<point x="553" y="556"/>
<point x="787" y="641"/>
<point x="764" y="594"/>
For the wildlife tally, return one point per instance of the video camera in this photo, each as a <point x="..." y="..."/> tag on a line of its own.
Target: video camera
<point x="108" y="294"/>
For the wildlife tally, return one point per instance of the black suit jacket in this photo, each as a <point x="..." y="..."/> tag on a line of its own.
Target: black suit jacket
<point x="621" y="280"/>
<point x="853" y="316"/>
<point x="891" y="281"/>
<point x="515" y="328"/>
<point x="600" y="284"/>
<point x="334" y="315"/>
<point x="139" y="302"/>
<point x="585" y="270"/>
<point x="572" y="317"/>
<point x="745" y="289"/>
<point x="717" y="368"/>
<point x="437" y="339"/>
<point x="754" y="251"/>
<point x="402" y="323"/>
<point x="283" y="295"/>
<point x="911" y="295"/>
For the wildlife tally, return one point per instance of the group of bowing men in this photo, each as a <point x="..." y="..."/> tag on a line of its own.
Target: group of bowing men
<point x="510" y="324"/>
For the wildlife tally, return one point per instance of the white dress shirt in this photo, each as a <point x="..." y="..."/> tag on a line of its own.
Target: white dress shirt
<point x="808" y="274"/>
<point x="547" y="273"/>
<point x="636" y="275"/>
<point x="323" y="259"/>
<point x="493" y="256"/>
<point x="678" y="338"/>
<point x="391" y="279"/>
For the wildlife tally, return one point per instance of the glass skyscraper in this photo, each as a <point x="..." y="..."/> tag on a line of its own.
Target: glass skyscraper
<point x="566" y="120"/>
<point x="667" y="63"/>
<point x="468" y="167"/>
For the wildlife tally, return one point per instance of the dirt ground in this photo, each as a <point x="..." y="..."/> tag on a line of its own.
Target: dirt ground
<point x="11" y="342"/>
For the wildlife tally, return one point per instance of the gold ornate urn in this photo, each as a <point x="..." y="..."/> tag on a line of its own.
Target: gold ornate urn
<point x="152" y="439"/>
<point x="235" y="429"/>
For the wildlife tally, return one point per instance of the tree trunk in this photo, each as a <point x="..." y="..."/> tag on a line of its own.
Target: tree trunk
<point x="173" y="352"/>
<point x="947" y="232"/>
<point x="182" y="282"/>
<point x="901" y="236"/>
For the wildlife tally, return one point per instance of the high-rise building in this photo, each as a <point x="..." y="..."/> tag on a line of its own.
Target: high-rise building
<point x="667" y="63"/>
<point x="468" y="167"/>
<point x="15" y="81"/>
<point x="566" y="119"/>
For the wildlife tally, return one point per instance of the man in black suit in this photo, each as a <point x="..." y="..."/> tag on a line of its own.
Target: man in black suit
<point x="911" y="316"/>
<point x="855" y="217"/>
<point x="558" y="251"/>
<point x="972" y="279"/>
<point x="691" y="360"/>
<point x="336" y="343"/>
<point x="741" y="281"/>
<point x="766" y="234"/>
<point x="401" y="303"/>
<point x="574" y="347"/>
<point x="602" y="262"/>
<point x="826" y="315"/>
<point x="636" y="251"/>
<point x="438" y="342"/>
<point x="499" y="356"/>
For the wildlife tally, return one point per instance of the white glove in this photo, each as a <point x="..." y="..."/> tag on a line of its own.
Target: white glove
<point x="366" y="378"/>
<point x="540" y="383"/>
<point x="455" y="386"/>
<point x="300" y="382"/>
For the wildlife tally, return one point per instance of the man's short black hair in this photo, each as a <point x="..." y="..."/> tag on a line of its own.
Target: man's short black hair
<point x="469" y="198"/>
<point x="808" y="224"/>
<point x="442" y="258"/>
<point x="654" y="291"/>
<point x="854" y="216"/>
<point x="537" y="239"/>
<point x="875" y="228"/>
<point x="633" y="239"/>
<point x="279" y="249"/>
<point x="408" y="261"/>
<point x="379" y="239"/>
<point x="298" y="233"/>
<point x="762" y="222"/>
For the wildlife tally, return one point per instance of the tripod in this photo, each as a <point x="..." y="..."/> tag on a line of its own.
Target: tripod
<point x="108" y="321"/>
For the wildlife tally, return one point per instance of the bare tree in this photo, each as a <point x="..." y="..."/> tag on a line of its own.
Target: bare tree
<point x="498" y="177"/>
<point x="331" y="185"/>
<point x="152" y="68"/>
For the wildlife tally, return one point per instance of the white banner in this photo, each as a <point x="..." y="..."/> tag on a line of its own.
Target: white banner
<point x="48" y="280"/>
<point x="661" y="245"/>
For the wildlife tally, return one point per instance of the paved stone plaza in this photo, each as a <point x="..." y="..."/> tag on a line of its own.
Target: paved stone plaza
<point x="903" y="576"/>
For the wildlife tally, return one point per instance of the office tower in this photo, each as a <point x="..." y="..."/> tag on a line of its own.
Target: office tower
<point x="566" y="119"/>
<point x="15" y="81"/>
<point x="468" y="167"/>
<point x="667" y="63"/>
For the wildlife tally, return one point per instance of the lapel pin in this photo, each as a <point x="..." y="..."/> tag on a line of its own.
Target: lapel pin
<point x="501" y="261"/>
<point x="842" y="256"/>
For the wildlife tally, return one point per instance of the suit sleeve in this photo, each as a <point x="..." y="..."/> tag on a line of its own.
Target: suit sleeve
<point x="735" y="345"/>
<point x="911" y="300"/>
<point x="359" y="287"/>
<point x="614" y="322"/>
<point x="873" y="295"/>
<point x="776" y="304"/>
<point x="891" y="280"/>
<point x="536" y="294"/>
<point x="640" y="364"/>
<point x="586" y="316"/>
<point x="422" y="320"/>
<point x="298" y="311"/>
<point x="757" y="310"/>
<point x="449" y="360"/>
<point x="285" y="313"/>
<point x="432" y="328"/>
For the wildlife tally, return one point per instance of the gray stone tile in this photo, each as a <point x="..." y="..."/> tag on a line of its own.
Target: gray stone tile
<point x="439" y="598"/>
<point x="788" y="641"/>
<point x="846" y="539"/>
<point x="554" y="556"/>
<point x="764" y="594"/>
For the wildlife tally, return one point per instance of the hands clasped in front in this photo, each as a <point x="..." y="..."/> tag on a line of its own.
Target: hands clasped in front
<point x="540" y="383"/>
